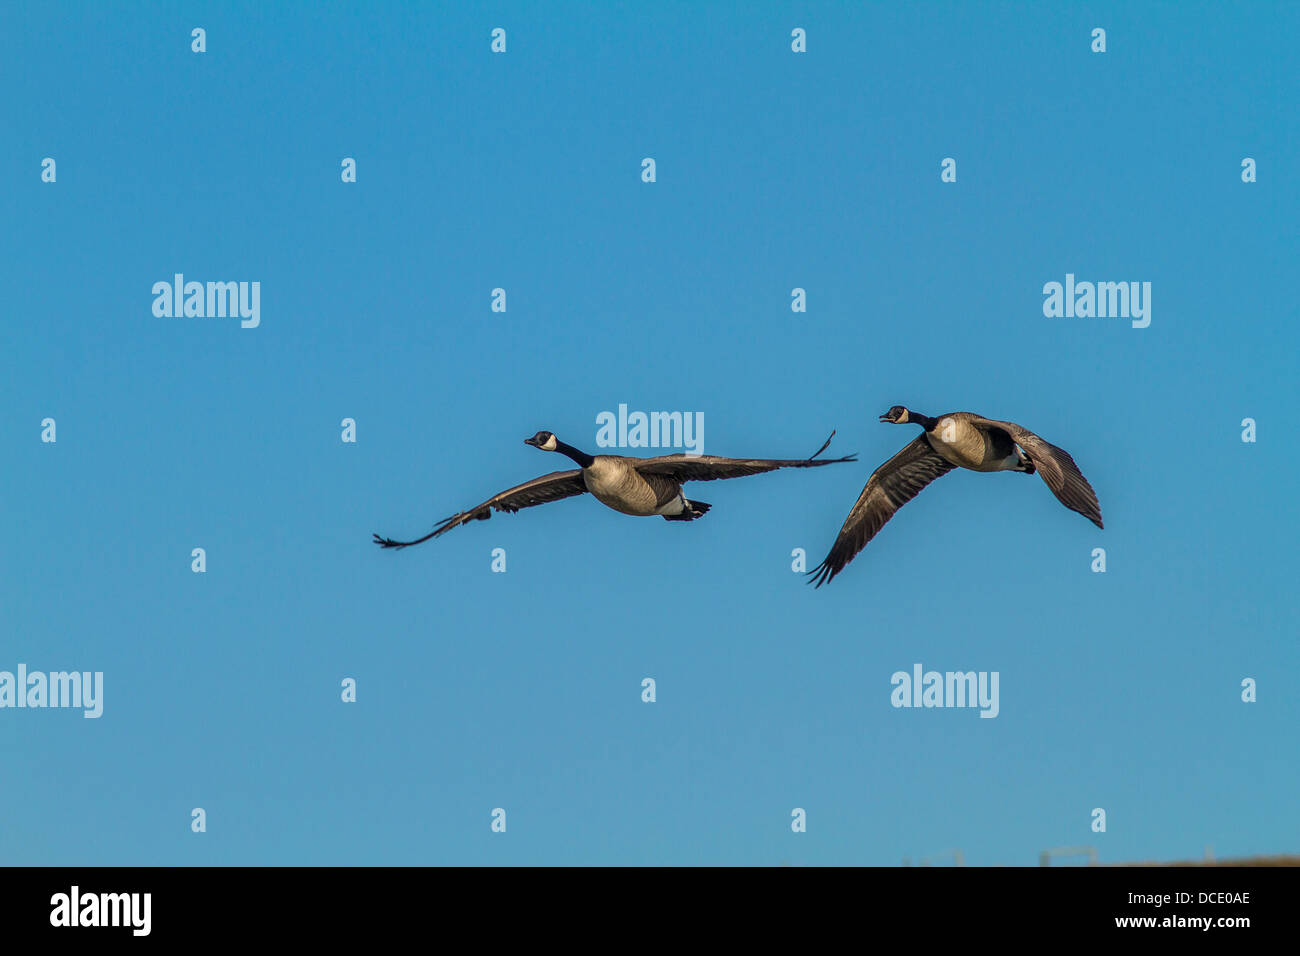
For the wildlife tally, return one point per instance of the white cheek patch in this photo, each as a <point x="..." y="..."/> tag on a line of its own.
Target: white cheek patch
<point x="550" y="444"/>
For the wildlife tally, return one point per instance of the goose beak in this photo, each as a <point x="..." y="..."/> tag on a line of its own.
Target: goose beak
<point x="886" y="418"/>
<point x="530" y="441"/>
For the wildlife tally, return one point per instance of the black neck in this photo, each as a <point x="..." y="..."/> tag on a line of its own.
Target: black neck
<point x="924" y="421"/>
<point x="581" y="457"/>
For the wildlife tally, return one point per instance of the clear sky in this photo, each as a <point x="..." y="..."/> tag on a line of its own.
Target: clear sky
<point x="521" y="690"/>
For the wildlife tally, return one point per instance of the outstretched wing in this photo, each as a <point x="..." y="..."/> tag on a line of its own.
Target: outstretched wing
<point x="711" y="467"/>
<point x="1056" y="467"/>
<point x="891" y="486"/>
<point x="552" y="487"/>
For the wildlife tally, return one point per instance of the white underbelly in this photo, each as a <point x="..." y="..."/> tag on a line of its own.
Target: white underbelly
<point x="674" y="507"/>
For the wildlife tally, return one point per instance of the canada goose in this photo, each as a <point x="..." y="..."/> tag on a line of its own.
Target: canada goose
<point x="956" y="440"/>
<point x="634" y="486"/>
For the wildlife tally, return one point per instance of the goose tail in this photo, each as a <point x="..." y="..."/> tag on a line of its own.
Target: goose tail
<point x="693" y="510"/>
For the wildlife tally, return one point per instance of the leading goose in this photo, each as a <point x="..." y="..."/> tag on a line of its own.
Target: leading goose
<point x="955" y="440"/>
<point x="634" y="486"/>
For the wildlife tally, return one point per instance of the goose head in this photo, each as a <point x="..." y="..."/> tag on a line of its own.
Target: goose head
<point x="543" y="440"/>
<point x="895" y="416"/>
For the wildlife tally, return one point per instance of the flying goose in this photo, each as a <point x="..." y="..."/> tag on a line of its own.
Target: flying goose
<point x="955" y="440"/>
<point x="634" y="486"/>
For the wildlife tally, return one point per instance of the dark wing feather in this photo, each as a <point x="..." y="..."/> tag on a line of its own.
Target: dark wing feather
<point x="539" y="491"/>
<point x="1055" y="466"/>
<point x="891" y="486"/>
<point x="712" y="468"/>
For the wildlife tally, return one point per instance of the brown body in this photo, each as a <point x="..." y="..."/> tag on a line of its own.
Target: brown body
<point x="960" y="442"/>
<point x="614" y="481"/>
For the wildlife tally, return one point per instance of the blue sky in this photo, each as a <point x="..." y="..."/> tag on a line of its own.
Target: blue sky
<point x="522" y="171"/>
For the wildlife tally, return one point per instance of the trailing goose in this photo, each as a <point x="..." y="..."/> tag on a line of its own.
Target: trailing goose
<point x="955" y="440"/>
<point x="634" y="486"/>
